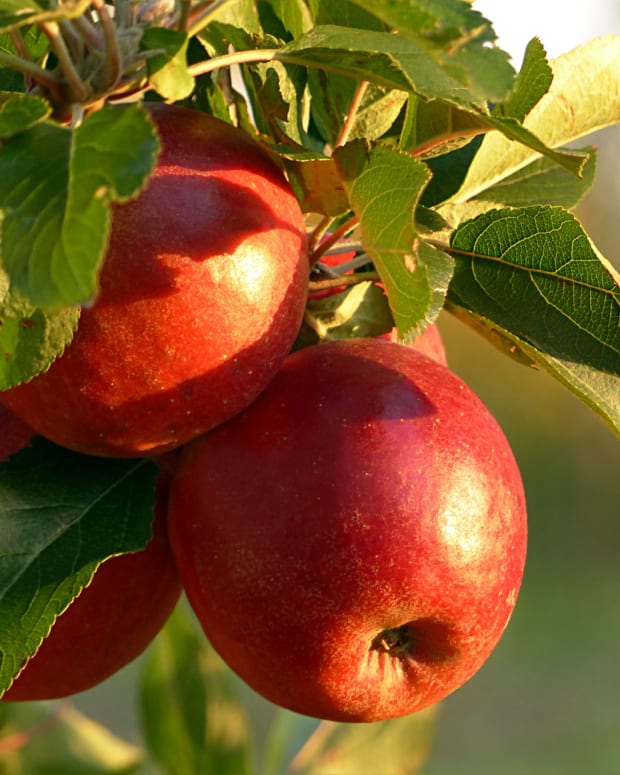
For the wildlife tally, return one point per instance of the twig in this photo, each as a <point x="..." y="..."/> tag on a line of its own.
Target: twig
<point x="324" y="246"/>
<point x="237" y="58"/>
<point x="349" y="121"/>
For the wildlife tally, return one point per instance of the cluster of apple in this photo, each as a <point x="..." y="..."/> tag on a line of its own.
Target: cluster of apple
<point x="348" y="521"/>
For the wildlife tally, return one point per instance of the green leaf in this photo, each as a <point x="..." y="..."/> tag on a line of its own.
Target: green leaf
<point x="384" y="186"/>
<point x="61" y="514"/>
<point x="583" y="97"/>
<point x="201" y="728"/>
<point x="458" y="38"/>
<point x="20" y="13"/>
<point x="532" y="82"/>
<point x="293" y="16"/>
<point x="390" y="747"/>
<point x="56" y="738"/>
<point x="239" y="14"/>
<point x="597" y="389"/>
<point x="30" y="341"/>
<point x="432" y="128"/>
<point x="392" y="61"/>
<point x="541" y="182"/>
<point x="168" y="72"/>
<point x="359" y="311"/>
<point x="19" y="112"/>
<point x="377" y="112"/>
<point x="55" y="190"/>
<point x="534" y="273"/>
<point x="344" y="13"/>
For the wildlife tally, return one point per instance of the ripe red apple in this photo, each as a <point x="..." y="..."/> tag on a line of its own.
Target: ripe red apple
<point x="201" y="297"/>
<point x="14" y="434"/>
<point x="110" y="623"/>
<point x="353" y="543"/>
<point x="428" y="342"/>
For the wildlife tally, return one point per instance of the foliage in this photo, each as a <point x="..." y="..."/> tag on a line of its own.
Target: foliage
<point x="400" y="125"/>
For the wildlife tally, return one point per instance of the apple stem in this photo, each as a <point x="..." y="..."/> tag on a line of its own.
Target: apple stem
<point x="79" y="91"/>
<point x="326" y="244"/>
<point x="347" y="280"/>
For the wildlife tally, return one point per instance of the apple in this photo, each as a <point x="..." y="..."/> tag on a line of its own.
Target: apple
<point x="14" y="434"/>
<point x="202" y="293"/>
<point x="428" y="342"/>
<point x="110" y="623"/>
<point x="354" y="542"/>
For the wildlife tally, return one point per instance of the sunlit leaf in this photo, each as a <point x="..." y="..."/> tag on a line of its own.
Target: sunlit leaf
<point x="384" y="186"/>
<point x="583" y="97"/>
<point x="458" y="38"/>
<point x="56" y="186"/>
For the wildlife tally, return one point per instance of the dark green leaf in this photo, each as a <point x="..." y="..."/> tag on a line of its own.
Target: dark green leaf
<point x="193" y="721"/>
<point x="384" y="186"/>
<point x="61" y="514"/>
<point x="168" y="73"/>
<point x="55" y="189"/>
<point x="534" y="273"/>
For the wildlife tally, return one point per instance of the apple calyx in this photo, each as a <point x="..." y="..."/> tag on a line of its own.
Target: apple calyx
<point x="398" y="642"/>
<point x="424" y="640"/>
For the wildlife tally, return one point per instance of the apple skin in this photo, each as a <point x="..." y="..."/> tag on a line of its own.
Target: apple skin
<point x="201" y="297"/>
<point x="14" y="434"/>
<point x="353" y="543"/>
<point x="110" y="623"/>
<point x="429" y="342"/>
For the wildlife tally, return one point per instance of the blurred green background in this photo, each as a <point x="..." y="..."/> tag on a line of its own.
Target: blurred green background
<point x="547" y="702"/>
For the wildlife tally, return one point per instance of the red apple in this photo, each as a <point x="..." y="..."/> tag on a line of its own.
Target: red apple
<point x="353" y="543"/>
<point x="14" y="434"/>
<point x="428" y="342"/>
<point x="201" y="297"/>
<point x="110" y="623"/>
